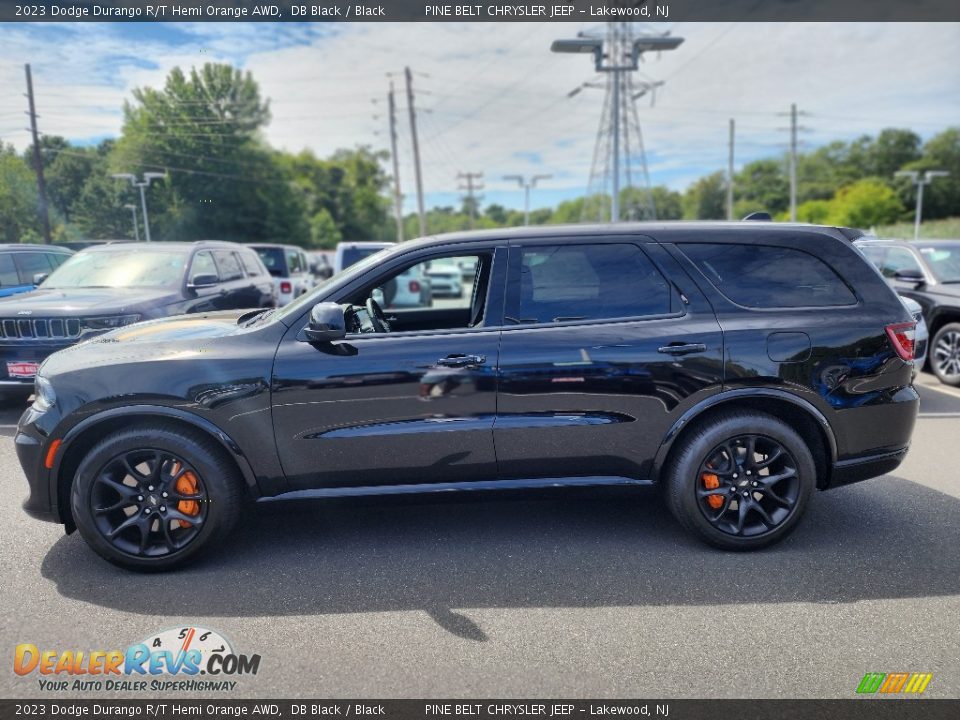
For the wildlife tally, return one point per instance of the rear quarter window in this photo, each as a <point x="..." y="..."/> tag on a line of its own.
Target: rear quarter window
<point x="766" y="276"/>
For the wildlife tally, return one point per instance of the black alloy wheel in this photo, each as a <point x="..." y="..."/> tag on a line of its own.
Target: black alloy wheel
<point x="149" y="503"/>
<point x="748" y="485"/>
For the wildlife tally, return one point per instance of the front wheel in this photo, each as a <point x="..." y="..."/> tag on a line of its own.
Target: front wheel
<point x="152" y="497"/>
<point x="742" y="481"/>
<point x="945" y="357"/>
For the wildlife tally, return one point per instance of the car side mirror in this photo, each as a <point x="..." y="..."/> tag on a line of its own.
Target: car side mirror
<point x="39" y="278"/>
<point x="326" y="323"/>
<point x="203" y="280"/>
<point x="910" y="275"/>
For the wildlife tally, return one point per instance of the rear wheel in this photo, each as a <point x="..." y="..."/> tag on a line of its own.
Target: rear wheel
<point x="945" y="357"/>
<point x="151" y="498"/>
<point x="742" y="481"/>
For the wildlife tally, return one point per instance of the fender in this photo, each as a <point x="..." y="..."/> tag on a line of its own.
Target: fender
<point x="741" y="393"/>
<point x="159" y="411"/>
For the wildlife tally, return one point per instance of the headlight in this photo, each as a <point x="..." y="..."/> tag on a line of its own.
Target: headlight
<point x="44" y="397"/>
<point x="110" y="322"/>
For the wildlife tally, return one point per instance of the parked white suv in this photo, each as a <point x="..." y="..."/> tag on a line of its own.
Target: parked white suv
<point x="290" y="269"/>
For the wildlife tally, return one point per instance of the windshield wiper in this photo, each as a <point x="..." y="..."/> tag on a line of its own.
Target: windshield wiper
<point x="249" y="320"/>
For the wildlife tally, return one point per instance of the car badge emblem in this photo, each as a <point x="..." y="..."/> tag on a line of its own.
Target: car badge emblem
<point x="25" y="312"/>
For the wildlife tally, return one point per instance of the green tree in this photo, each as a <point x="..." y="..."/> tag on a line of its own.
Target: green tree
<point x="763" y="185"/>
<point x="669" y="203"/>
<point x="706" y="198"/>
<point x="864" y="204"/>
<point x="18" y="199"/>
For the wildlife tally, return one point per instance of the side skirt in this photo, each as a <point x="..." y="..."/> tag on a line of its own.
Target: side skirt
<point x="422" y="488"/>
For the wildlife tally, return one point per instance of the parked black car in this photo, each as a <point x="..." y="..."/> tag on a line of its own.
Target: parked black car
<point x="740" y="366"/>
<point x="927" y="271"/>
<point x="109" y="286"/>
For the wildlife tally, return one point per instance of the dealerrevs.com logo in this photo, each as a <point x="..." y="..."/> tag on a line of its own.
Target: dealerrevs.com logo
<point x="171" y="660"/>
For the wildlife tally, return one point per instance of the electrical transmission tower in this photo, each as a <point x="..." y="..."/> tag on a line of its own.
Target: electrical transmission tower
<point x="619" y="156"/>
<point x="471" y="200"/>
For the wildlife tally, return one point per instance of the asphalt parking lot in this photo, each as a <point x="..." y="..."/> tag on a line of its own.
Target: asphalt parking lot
<point x="563" y="593"/>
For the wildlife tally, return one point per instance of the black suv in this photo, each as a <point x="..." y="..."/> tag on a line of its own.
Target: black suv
<point x="927" y="271"/>
<point x="109" y="286"/>
<point x="739" y="366"/>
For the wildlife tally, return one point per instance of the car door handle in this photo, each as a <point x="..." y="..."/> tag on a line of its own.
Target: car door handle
<point x="461" y="360"/>
<point x="682" y="348"/>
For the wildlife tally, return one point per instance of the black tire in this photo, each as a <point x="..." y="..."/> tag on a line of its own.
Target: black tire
<point x="686" y="489"/>
<point x="216" y="514"/>
<point x="944" y="354"/>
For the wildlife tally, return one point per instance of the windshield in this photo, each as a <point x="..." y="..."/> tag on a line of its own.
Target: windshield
<point x="310" y="298"/>
<point x="127" y="268"/>
<point x="944" y="261"/>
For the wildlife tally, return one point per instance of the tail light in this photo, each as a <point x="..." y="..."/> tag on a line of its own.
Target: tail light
<point x="286" y="288"/>
<point x="414" y="286"/>
<point x="902" y="336"/>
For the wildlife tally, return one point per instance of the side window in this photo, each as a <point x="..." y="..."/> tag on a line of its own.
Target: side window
<point x="293" y="262"/>
<point x="764" y="276"/>
<point x="897" y="259"/>
<point x="203" y="265"/>
<point x="874" y="254"/>
<point x="251" y="263"/>
<point x="57" y="259"/>
<point x="228" y="265"/>
<point x="442" y="284"/>
<point x="586" y="282"/>
<point x="8" y="271"/>
<point x="31" y="263"/>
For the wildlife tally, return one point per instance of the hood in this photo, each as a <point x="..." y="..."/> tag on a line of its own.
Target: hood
<point x="177" y="329"/>
<point x="78" y="302"/>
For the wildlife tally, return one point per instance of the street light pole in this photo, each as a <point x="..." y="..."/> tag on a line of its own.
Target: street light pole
<point x="526" y="191"/>
<point x="136" y="229"/>
<point x="143" y="185"/>
<point x="920" y="180"/>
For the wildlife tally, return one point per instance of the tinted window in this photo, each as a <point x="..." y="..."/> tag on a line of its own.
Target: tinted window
<point x="228" y="264"/>
<point x="587" y="282"/>
<point x="251" y="264"/>
<point x="761" y="276"/>
<point x="31" y="263"/>
<point x="898" y="259"/>
<point x="273" y="259"/>
<point x="8" y="271"/>
<point x="351" y="255"/>
<point x="57" y="259"/>
<point x="203" y="265"/>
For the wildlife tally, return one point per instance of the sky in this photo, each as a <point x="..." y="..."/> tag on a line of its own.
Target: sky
<point x="492" y="98"/>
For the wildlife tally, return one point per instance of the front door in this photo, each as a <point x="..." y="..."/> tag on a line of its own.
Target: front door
<point x="415" y="405"/>
<point x="605" y="345"/>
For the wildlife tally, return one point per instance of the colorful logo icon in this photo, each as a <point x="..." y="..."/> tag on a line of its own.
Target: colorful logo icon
<point x="894" y="683"/>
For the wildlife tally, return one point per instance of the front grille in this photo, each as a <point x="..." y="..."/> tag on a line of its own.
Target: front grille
<point x="40" y="329"/>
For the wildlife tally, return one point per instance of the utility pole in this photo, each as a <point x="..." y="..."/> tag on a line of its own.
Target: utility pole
<point x="38" y="162"/>
<point x="397" y="195"/>
<point x="526" y="191"/>
<point x="416" y="150"/>
<point x="794" y="130"/>
<point x="730" y="171"/>
<point x="136" y="229"/>
<point x="470" y="198"/>
<point x="143" y="185"/>
<point x="920" y="179"/>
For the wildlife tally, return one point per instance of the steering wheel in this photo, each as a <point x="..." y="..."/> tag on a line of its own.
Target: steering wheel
<point x="379" y="320"/>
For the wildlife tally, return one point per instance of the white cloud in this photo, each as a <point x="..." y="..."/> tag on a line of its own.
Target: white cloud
<point x="498" y="95"/>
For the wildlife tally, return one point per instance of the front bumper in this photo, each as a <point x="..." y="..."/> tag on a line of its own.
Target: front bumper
<point x="32" y="445"/>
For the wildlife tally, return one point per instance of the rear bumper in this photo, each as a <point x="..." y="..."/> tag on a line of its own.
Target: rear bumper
<point x="863" y="468"/>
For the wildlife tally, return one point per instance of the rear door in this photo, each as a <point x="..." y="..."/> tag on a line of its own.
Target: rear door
<point x="606" y="342"/>
<point x="237" y="291"/>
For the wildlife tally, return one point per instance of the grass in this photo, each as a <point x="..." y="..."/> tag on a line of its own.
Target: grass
<point x="948" y="228"/>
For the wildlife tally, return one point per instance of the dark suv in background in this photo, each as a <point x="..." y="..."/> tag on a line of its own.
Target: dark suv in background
<point x="927" y="271"/>
<point x="739" y="366"/>
<point x="109" y="286"/>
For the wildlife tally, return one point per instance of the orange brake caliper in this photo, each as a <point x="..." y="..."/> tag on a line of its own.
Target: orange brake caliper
<point x="712" y="482"/>
<point x="186" y="485"/>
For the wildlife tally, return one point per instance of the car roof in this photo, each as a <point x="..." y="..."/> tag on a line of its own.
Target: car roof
<point x="276" y="245"/>
<point x="33" y="247"/>
<point x="166" y="245"/>
<point x="722" y="231"/>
